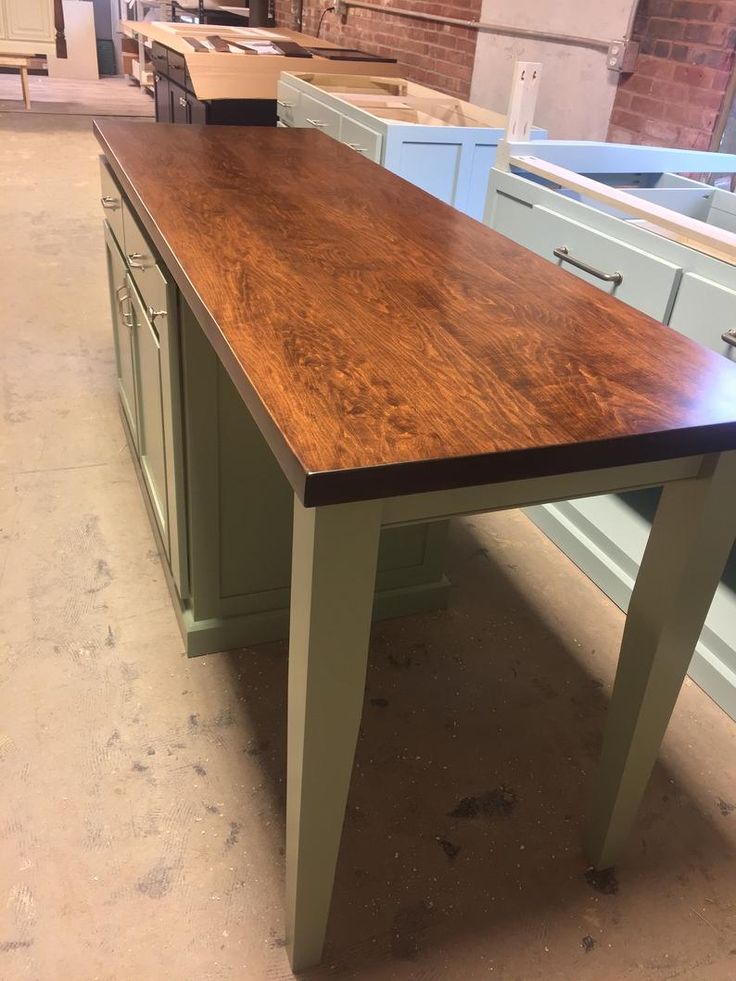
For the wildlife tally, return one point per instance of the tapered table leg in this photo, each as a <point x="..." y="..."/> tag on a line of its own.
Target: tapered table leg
<point x="333" y="580"/>
<point x="690" y="540"/>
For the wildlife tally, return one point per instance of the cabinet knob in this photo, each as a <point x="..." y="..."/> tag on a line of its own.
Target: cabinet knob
<point x="182" y="102"/>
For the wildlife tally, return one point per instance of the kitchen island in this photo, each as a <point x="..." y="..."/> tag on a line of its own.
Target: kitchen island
<point x="400" y="364"/>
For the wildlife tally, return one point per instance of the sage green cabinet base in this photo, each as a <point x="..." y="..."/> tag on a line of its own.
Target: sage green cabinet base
<point x="239" y="522"/>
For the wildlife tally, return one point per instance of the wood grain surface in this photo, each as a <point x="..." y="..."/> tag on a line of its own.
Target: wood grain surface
<point x="386" y="343"/>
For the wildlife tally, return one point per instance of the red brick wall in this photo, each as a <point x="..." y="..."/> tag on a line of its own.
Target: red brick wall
<point x="676" y="91"/>
<point x="436" y="55"/>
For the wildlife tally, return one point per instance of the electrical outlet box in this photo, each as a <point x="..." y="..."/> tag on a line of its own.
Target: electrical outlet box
<point x="622" y="55"/>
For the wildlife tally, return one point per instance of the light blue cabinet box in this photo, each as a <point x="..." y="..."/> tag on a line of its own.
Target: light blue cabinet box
<point x="441" y="144"/>
<point x="688" y="285"/>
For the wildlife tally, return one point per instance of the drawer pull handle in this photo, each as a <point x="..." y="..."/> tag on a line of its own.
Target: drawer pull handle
<point x="563" y="255"/>
<point x="133" y="256"/>
<point x="182" y="102"/>
<point x="730" y="337"/>
<point x="123" y="296"/>
<point x="112" y="204"/>
<point x="358" y="147"/>
<point x="316" y="122"/>
<point x="152" y="314"/>
<point x="285" y="105"/>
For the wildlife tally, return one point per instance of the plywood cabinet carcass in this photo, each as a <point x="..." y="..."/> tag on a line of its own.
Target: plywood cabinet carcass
<point x="27" y="27"/>
<point x="628" y="223"/>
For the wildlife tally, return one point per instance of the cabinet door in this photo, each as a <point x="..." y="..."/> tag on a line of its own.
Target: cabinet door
<point x="197" y="111"/>
<point x="162" y="91"/>
<point x="704" y="310"/>
<point x="151" y="443"/>
<point x="179" y="104"/>
<point x="29" y="20"/>
<point x="122" y="328"/>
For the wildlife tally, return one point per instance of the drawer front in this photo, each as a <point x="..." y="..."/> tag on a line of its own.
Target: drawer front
<point x="315" y="115"/>
<point x="647" y="282"/>
<point x="361" y="139"/>
<point x="705" y="310"/>
<point x="111" y="199"/>
<point x="288" y="101"/>
<point x="142" y="262"/>
<point x="160" y="58"/>
<point x="178" y="69"/>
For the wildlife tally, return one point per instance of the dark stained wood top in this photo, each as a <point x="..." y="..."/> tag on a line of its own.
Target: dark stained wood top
<point x="387" y="344"/>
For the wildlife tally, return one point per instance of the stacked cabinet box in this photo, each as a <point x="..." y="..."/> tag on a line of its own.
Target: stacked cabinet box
<point x="27" y="27"/>
<point x="689" y="287"/>
<point x="176" y="101"/>
<point x="443" y="145"/>
<point x="220" y="506"/>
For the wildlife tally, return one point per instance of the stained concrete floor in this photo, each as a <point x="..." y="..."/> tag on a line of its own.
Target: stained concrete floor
<point x="142" y="807"/>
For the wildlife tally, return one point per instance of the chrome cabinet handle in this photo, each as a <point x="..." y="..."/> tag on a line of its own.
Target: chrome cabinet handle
<point x="182" y="102"/>
<point x="124" y="296"/>
<point x="356" y="146"/>
<point x="132" y="256"/>
<point x="563" y="255"/>
<point x="316" y="122"/>
<point x="729" y="337"/>
<point x="112" y="204"/>
<point x="284" y="105"/>
<point x="152" y="314"/>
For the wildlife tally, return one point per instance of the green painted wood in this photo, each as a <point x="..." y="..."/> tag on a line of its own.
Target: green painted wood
<point x="120" y="311"/>
<point x="690" y="540"/>
<point x="151" y="445"/>
<point x="334" y="572"/>
<point x="240" y="509"/>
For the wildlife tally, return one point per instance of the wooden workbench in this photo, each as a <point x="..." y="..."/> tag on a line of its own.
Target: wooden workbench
<point x="218" y="75"/>
<point x="405" y="363"/>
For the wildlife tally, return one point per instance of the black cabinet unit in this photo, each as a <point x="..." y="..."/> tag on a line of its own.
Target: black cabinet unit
<point x="177" y="103"/>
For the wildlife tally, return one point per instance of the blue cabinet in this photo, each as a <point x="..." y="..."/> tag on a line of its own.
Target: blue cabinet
<point x="688" y="285"/>
<point x="443" y="145"/>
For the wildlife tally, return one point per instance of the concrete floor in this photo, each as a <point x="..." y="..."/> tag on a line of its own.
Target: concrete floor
<point x="141" y="819"/>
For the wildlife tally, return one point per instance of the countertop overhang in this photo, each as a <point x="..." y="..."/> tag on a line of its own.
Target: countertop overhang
<point x="387" y="344"/>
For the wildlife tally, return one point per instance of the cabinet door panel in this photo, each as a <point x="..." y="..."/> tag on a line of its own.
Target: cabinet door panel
<point x="162" y="96"/>
<point x="432" y="166"/>
<point x="122" y="327"/>
<point x="29" y="20"/>
<point x="151" y="444"/>
<point x="704" y="310"/>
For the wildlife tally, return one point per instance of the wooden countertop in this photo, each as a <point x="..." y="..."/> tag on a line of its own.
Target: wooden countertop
<point x="386" y="343"/>
<point x="222" y="75"/>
